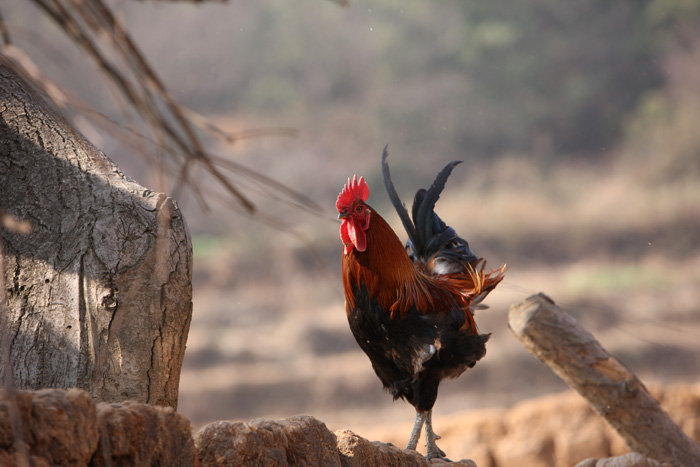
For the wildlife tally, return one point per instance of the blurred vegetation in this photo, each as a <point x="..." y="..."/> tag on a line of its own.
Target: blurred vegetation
<point x="547" y="78"/>
<point x="521" y="87"/>
<point x="554" y="71"/>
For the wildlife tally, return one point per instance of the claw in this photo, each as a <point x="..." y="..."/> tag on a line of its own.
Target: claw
<point x="433" y="450"/>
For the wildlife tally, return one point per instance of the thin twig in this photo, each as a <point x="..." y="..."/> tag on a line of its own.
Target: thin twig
<point x="93" y="27"/>
<point x="302" y="200"/>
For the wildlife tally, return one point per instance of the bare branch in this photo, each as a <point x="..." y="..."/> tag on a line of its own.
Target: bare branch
<point x="300" y="199"/>
<point x="94" y="28"/>
<point x="232" y="137"/>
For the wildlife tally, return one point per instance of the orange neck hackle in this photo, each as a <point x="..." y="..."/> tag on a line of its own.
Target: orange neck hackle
<point x="391" y="278"/>
<point x="383" y="267"/>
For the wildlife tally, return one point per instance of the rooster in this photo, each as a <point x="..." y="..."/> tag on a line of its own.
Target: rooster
<point x="411" y="308"/>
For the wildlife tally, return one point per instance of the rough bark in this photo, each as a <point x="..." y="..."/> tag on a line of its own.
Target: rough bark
<point x="99" y="292"/>
<point x="614" y="392"/>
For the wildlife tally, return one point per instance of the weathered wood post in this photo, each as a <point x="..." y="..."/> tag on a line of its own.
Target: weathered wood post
<point x="99" y="292"/>
<point x="614" y="392"/>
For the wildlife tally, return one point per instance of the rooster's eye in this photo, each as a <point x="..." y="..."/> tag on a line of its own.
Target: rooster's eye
<point x="358" y="209"/>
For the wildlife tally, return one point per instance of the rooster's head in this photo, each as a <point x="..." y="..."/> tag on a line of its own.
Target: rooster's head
<point x="354" y="213"/>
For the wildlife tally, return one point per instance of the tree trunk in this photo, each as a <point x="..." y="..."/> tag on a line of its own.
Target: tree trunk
<point x="99" y="292"/>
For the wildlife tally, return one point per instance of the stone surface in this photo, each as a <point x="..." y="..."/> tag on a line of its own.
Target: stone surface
<point x="301" y="440"/>
<point x="65" y="427"/>
<point x="356" y="451"/>
<point x="132" y="433"/>
<point x="632" y="459"/>
<point x="50" y="427"/>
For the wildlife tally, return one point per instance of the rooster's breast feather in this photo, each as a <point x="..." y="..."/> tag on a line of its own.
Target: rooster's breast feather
<point x="411" y="354"/>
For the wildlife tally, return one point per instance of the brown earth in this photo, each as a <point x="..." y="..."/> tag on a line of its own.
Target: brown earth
<point x="65" y="427"/>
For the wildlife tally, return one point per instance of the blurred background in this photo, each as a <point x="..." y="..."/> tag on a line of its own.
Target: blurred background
<point x="579" y="127"/>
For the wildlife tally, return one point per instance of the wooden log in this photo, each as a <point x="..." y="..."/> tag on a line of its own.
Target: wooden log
<point x="557" y="339"/>
<point x="98" y="290"/>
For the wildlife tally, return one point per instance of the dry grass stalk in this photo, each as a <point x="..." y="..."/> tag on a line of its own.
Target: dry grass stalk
<point x="175" y="145"/>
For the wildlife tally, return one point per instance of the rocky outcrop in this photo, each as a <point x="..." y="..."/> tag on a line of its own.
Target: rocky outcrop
<point x="132" y="433"/>
<point x="632" y="459"/>
<point x="355" y="451"/>
<point x="295" y="441"/>
<point x="47" y="427"/>
<point x="65" y="427"/>
<point x="301" y="440"/>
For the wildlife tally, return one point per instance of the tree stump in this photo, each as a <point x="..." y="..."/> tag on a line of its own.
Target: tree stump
<point x="99" y="292"/>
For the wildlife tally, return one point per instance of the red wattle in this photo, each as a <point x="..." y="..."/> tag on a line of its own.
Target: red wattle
<point x="352" y="235"/>
<point x="357" y="236"/>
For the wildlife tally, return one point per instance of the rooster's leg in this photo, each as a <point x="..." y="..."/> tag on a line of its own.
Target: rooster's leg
<point x="433" y="450"/>
<point x="417" y="427"/>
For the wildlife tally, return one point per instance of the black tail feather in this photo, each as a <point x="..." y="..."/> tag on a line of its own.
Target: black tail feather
<point x="428" y="236"/>
<point x="427" y="223"/>
<point x="423" y="214"/>
<point x="395" y="200"/>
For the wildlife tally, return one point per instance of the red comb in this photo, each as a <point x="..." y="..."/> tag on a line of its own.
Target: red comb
<point x="353" y="190"/>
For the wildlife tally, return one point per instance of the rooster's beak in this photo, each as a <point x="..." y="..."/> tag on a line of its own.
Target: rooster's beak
<point x="342" y="215"/>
